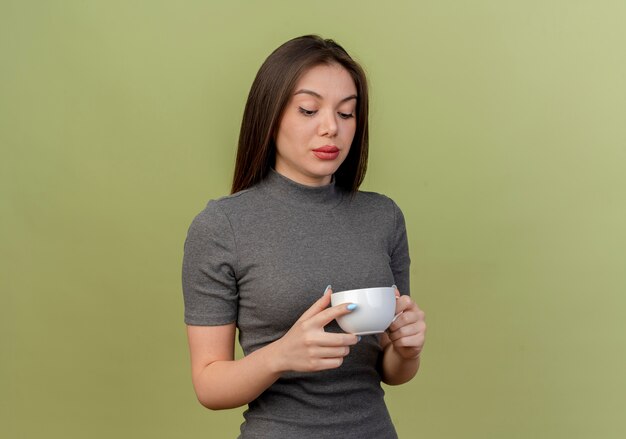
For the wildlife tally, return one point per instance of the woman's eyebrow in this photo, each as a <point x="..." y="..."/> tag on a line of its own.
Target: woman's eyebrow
<point x="319" y="96"/>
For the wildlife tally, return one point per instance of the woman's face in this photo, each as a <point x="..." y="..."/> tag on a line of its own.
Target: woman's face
<point x="317" y="126"/>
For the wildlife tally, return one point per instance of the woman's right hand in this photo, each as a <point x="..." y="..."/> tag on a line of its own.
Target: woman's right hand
<point x="306" y="347"/>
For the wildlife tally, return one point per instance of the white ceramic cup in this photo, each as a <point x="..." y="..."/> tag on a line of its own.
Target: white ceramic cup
<point x="375" y="309"/>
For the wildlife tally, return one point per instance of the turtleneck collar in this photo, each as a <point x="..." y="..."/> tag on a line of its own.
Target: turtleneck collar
<point x="291" y="192"/>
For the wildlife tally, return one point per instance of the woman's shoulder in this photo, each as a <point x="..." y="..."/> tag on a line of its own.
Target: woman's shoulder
<point x="379" y="206"/>
<point x="217" y="211"/>
<point x="375" y="200"/>
<point x="232" y="202"/>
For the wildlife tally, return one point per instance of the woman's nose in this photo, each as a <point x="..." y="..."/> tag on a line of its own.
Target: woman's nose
<point x="328" y="124"/>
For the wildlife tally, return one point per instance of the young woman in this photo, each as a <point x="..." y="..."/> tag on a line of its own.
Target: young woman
<point x="264" y="258"/>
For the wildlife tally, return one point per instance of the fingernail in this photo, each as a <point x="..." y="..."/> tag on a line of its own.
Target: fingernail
<point x="394" y="287"/>
<point x="351" y="307"/>
<point x="326" y="290"/>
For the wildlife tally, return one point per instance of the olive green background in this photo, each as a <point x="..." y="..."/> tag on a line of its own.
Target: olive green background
<point x="497" y="126"/>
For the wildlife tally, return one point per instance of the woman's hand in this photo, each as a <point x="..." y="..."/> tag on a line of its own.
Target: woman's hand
<point x="222" y="382"/>
<point x="407" y="333"/>
<point x="306" y="347"/>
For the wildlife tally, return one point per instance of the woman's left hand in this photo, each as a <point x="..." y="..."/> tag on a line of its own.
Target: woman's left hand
<point x="407" y="333"/>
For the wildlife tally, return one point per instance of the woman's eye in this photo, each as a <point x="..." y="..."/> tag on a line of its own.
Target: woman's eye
<point x="346" y="115"/>
<point x="307" y="112"/>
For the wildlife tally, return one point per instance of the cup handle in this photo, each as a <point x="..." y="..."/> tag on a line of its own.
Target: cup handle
<point x="397" y="315"/>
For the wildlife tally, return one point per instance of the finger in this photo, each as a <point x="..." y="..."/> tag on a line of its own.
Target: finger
<point x="326" y="316"/>
<point x="408" y="332"/>
<point x="404" y="319"/>
<point x="331" y="339"/>
<point x="420" y="313"/>
<point x="413" y="341"/>
<point x="328" y="363"/>
<point x="404" y="303"/>
<point x="319" y="305"/>
<point x="397" y="291"/>
<point x="331" y="352"/>
<point x="405" y="331"/>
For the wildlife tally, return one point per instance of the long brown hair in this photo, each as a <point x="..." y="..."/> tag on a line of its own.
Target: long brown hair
<point x="270" y="93"/>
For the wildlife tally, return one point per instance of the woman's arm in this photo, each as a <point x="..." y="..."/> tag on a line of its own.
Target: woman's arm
<point x="403" y="342"/>
<point x="221" y="382"/>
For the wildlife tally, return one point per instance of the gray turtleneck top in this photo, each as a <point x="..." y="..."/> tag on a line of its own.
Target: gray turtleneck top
<point x="261" y="257"/>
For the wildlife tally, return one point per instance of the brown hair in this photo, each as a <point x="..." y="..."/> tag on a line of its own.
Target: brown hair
<point x="270" y="93"/>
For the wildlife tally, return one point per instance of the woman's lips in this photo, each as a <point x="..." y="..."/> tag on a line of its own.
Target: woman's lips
<point x="326" y="152"/>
